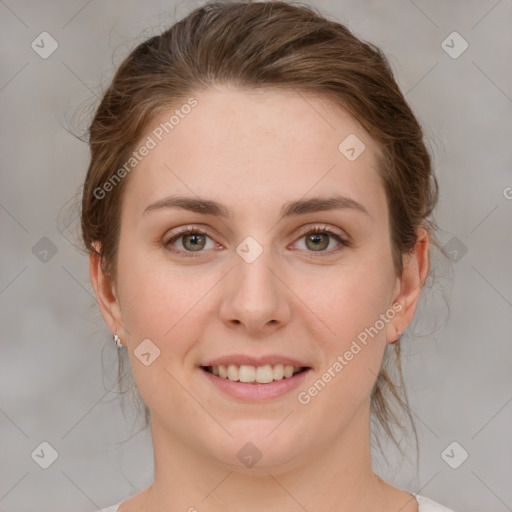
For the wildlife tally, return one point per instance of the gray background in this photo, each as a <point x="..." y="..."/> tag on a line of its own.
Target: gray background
<point x="57" y="378"/>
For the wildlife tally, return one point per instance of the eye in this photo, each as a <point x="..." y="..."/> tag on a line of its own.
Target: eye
<point x="193" y="240"/>
<point x="318" y="240"/>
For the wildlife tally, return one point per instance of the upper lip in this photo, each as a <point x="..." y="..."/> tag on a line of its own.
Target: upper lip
<point x="239" y="360"/>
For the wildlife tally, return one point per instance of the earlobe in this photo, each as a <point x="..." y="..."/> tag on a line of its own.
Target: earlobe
<point x="411" y="282"/>
<point x="393" y="330"/>
<point x="105" y="293"/>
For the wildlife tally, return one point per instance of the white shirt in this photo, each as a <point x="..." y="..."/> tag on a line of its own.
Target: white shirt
<point x="424" y="505"/>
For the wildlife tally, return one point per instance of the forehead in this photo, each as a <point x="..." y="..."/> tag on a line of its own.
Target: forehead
<point x="256" y="147"/>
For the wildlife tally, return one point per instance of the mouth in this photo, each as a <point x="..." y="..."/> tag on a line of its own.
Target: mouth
<point x="255" y="379"/>
<point x="249" y="374"/>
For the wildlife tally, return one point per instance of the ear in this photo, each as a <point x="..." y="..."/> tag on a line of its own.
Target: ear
<point x="104" y="287"/>
<point x="409" y="286"/>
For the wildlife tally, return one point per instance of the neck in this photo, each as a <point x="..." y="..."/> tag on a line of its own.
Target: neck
<point x="336" y="475"/>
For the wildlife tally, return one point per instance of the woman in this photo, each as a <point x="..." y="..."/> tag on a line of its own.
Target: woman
<point x="257" y="213"/>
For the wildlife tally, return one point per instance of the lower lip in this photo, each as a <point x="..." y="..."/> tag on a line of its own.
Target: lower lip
<point x="256" y="392"/>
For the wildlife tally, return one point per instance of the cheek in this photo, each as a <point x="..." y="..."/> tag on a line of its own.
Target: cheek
<point x="353" y="298"/>
<point x="158" y="305"/>
<point x="356" y="307"/>
<point x="352" y="356"/>
<point x="155" y="300"/>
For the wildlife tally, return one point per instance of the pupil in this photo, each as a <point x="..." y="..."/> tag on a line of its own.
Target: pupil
<point x="317" y="237"/>
<point x="195" y="240"/>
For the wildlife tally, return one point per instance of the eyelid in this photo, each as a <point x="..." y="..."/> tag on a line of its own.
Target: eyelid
<point x="185" y="230"/>
<point x="343" y="239"/>
<point x="321" y="228"/>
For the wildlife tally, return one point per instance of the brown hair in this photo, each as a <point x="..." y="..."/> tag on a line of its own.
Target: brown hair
<point x="265" y="45"/>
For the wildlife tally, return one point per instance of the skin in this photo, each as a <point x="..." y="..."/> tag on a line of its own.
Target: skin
<point x="253" y="151"/>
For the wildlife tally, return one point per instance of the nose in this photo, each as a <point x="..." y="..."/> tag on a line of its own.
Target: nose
<point x="255" y="298"/>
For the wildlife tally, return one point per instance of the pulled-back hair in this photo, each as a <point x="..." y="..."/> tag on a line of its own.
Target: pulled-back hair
<point x="265" y="45"/>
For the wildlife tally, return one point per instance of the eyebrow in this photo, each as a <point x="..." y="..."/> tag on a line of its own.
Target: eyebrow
<point x="291" y="209"/>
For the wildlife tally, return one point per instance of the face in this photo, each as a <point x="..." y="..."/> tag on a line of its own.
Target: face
<point x="284" y="279"/>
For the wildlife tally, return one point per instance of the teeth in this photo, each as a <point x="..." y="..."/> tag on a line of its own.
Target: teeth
<point x="232" y="372"/>
<point x="278" y="371"/>
<point x="260" y="374"/>
<point x="247" y="373"/>
<point x="265" y="374"/>
<point x="288" y="371"/>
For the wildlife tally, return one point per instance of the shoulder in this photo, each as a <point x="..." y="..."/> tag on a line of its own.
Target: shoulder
<point x="424" y="505"/>
<point x="428" y="505"/>
<point x="113" y="508"/>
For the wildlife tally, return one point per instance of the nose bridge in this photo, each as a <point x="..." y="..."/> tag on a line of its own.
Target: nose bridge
<point x="254" y="281"/>
<point x="255" y="296"/>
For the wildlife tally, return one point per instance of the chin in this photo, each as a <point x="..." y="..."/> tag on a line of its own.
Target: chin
<point x="257" y="447"/>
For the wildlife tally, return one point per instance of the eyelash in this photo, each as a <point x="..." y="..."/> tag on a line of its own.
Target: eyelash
<point x="197" y="231"/>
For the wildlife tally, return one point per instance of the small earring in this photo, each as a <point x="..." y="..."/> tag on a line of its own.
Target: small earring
<point x="117" y="339"/>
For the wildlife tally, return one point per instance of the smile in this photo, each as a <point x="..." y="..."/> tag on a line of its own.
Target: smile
<point x="254" y="374"/>
<point x="255" y="379"/>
